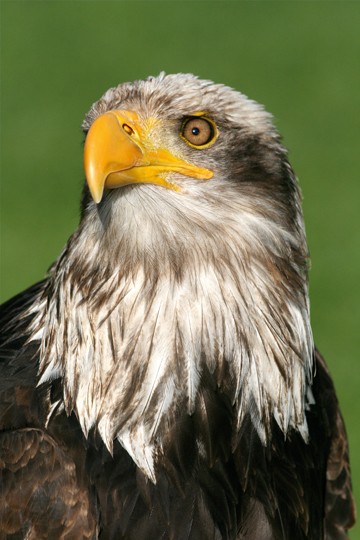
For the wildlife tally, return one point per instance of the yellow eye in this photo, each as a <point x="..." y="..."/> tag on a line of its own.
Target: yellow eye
<point x="198" y="132"/>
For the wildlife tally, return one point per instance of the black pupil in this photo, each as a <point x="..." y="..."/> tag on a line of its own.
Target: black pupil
<point x="195" y="131"/>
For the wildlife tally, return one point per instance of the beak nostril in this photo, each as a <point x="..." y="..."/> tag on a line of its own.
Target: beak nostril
<point x="129" y="130"/>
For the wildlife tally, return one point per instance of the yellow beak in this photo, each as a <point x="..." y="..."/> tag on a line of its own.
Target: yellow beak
<point x="117" y="153"/>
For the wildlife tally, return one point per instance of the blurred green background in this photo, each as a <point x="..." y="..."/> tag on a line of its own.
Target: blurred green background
<point x="300" y="59"/>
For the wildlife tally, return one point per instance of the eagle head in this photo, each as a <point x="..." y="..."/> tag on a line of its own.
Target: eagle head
<point x="185" y="284"/>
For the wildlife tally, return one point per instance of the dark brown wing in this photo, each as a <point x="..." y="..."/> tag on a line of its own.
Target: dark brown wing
<point x="339" y="503"/>
<point x="41" y="493"/>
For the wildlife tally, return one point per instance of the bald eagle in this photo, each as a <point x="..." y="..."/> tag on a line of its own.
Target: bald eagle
<point x="162" y="381"/>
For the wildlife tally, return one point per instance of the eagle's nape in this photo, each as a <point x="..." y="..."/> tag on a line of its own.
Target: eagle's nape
<point x="224" y="431"/>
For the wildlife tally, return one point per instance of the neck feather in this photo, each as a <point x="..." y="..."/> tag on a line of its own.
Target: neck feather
<point x="143" y="301"/>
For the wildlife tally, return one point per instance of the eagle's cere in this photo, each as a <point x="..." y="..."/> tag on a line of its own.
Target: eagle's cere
<point x="162" y="381"/>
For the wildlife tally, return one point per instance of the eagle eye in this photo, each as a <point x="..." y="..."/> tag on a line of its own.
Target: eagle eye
<point x="198" y="132"/>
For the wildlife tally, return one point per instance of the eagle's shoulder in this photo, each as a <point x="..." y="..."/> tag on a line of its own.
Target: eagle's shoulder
<point x="340" y="511"/>
<point x="21" y="401"/>
<point x="53" y="499"/>
<point x="52" y="502"/>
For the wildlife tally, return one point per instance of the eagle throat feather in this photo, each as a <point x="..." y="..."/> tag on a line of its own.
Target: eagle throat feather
<point x="132" y="329"/>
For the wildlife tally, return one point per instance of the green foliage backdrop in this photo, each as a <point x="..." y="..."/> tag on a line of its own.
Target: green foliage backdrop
<point x="301" y="59"/>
